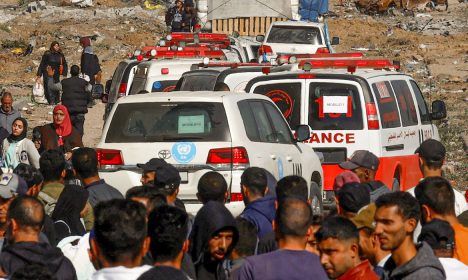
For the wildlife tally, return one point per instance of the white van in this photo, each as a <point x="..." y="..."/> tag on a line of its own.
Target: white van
<point x="356" y="108"/>
<point x="202" y="131"/>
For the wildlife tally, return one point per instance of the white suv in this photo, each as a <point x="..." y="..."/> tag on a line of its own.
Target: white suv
<point x="202" y="131"/>
<point x="293" y="37"/>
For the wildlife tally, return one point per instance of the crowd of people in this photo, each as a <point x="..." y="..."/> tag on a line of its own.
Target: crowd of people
<point x="60" y="220"/>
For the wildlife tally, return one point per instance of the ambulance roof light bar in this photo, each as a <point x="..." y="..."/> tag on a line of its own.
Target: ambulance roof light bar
<point x="232" y="64"/>
<point x="350" y="63"/>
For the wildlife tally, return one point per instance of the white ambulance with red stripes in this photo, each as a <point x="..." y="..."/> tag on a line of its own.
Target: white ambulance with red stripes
<point x="356" y="104"/>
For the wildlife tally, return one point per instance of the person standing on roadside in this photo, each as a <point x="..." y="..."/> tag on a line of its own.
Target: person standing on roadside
<point x="55" y="59"/>
<point x="76" y="94"/>
<point x="174" y="16"/>
<point x="7" y="113"/>
<point x="90" y="62"/>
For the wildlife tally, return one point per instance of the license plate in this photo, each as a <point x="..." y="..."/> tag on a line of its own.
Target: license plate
<point x="183" y="177"/>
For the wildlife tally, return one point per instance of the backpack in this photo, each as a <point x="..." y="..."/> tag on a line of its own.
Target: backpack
<point x="50" y="203"/>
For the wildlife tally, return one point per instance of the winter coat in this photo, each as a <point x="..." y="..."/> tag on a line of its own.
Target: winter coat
<point x="423" y="266"/>
<point x="17" y="255"/>
<point x="49" y="139"/>
<point x="53" y="59"/>
<point x="90" y="64"/>
<point x="26" y="152"/>
<point x="76" y="94"/>
<point x="210" y="219"/>
<point x="261" y="213"/>
<point x="7" y="118"/>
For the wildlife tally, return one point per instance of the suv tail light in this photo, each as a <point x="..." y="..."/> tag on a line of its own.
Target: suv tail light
<point x="235" y="155"/>
<point x="164" y="71"/>
<point x="236" y="197"/>
<point x="264" y="49"/>
<point x="322" y="50"/>
<point x="109" y="157"/>
<point x="122" y="89"/>
<point x="372" y="117"/>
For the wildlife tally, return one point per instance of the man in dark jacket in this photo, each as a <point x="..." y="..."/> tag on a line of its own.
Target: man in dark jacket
<point x="365" y="165"/>
<point x="396" y="218"/>
<point x="259" y="208"/>
<point x="85" y="165"/>
<point x="214" y="235"/>
<point x="76" y="94"/>
<point x="26" y="217"/>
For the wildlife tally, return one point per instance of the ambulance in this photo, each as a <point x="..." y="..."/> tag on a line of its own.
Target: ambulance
<point x="356" y="104"/>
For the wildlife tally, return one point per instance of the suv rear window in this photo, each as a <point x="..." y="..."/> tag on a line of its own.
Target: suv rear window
<point x="334" y="106"/>
<point x="164" y="86"/>
<point x="287" y="96"/>
<point x="405" y="102"/>
<point x="198" y="82"/>
<point x="388" y="109"/>
<point x="295" y="35"/>
<point x="168" y="122"/>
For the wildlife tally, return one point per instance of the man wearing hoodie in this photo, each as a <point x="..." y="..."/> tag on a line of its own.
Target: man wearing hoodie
<point x="213" y="237"/>
<point x="365" y="164"/>
<point x="259" y="208"/>
<point x="119" y="240"/>
<point x="26" y="218"/>
<point x="396" y="217"/>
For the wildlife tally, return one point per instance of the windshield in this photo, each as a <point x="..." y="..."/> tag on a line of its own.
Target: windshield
<point x="295" y="35"/>
<point x="168" y="122"/>
<point x="198" y="82"/>
<point x="334" y="107"/>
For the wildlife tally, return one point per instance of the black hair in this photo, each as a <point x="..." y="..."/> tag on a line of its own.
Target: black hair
<point x="337" y="227"/>
<point x="293" y="217"/>
<point x="29" y="173"/>
<point x="27" y="211"/>
<point x="212" y="187"/>
<point x="247" y="237"/>
<point x="436" y="193"/>
<point x="292" y="186"/>
<point x="36" y="133"/>
<point x="408" y="206"/>
<point x="120" y="228"/>
<point x="75" y="70"/>
<point x="433" y="164"/>
<point x="52" y="163"/>
<point x="255" y="179"/>
<point x="33" y="271"/>
<point x="168" y="229"/>
<point x="316" y="220"/>
<point x="155" y="197"/>
<point x="85" y="162"/>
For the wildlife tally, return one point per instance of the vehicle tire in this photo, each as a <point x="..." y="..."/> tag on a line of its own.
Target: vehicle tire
<point x="396" y="181"/>
<point x="315" y="199"/>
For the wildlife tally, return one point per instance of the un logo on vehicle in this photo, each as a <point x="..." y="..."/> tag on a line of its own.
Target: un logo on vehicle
<point x="164" y="154"/>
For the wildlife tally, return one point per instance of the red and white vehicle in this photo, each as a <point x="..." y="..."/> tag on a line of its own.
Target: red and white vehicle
<point x="356" y="104"/>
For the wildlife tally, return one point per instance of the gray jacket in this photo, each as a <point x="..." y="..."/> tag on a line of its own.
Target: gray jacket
<point x="6" y="119"/>
<point x="423" y="266"/>
<point x="26" y="152"/>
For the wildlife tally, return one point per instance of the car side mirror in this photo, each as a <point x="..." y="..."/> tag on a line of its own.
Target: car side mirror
<point x="335" y="41"/>
<point x="439" y="110"/>
<point x="259" y="38"/>
<point x="105" y="98"/>
<point x="108" y="86"/>
<point x="303" y="132"/>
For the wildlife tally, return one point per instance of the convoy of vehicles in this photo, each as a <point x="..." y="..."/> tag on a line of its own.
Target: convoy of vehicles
<point x="347" y="103"/>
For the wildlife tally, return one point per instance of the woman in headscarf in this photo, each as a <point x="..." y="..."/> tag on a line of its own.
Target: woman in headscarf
<point x="89" y="61"/>
<point x="60" y="134"/>
<point x="16" y="148"/>
<point x="55" y="59"/>
<point x="70" y="208"/>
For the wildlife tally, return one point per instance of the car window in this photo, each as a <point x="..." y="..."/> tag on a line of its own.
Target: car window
<point x="387" y="105"/>
<point x="198" y="82"/>
<point x="164" y="86"/>
<point x="287" y="96"/>
<point x="281" y="128"/>
<point x="116" y="80"/>
<point x="138" y="85"/>
<point x="405" y="102"/>
<point x="168" y="122"/>
<point x="334" y="106"/>
<point x="423" y="112"/>
<point x="295" y="35"/>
